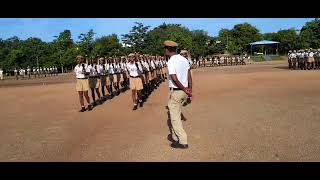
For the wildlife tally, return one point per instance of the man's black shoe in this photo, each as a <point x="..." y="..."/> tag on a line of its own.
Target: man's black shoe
<point x="99" y="102"/>
<point x="94" y="104"/>
<point x="169" y="137"/>
<point x="178" y="145"/>
<point x="89" y="107"/>
<point x="83" y="109"/>
<point x="135" y="107"/>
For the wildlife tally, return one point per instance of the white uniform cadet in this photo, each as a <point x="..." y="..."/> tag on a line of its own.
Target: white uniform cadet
<point x="135" y="80"/>
<point x="82" y="79"/>
<point x="179" y="66"/>
<point x="110" y="67"/>
<point x="117" y="73"/>
<point x="94" y="80"/>
<point x="1" y="74"/>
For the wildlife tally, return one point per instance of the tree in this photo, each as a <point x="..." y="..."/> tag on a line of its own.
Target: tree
<point x="216" y="46"/>
<point x="34" y="50"/>
<point x="86" y="43"/>
<point x="14" y="59"/>
<point x="288" y="40"/>
<point x="61" y="45"/>
<point x="107" y="46"/>
<point x="242" y="35"/>
<point x="200" y="43"/>
<point x="270" y="36"/>
<point x="225" y="36"/>
<point x="174" y="32"/>
<point x="136" y="37"/>
<point x="68" y="58"/>
<point x="310" y="34"/>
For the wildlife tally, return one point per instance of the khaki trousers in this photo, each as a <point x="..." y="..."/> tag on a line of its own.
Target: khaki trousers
<point x="176" y="100"/>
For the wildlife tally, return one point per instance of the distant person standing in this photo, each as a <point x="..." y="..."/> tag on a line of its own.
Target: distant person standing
<point x="180" y="85"/>
<point x="29" y="73"/>
<point x="1" y="74"/>
<point x="16" y="73"/>
<point x="34" y="72"/>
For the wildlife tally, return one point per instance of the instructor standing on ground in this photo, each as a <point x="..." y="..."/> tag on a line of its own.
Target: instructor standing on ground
<point x="180" y="85"/>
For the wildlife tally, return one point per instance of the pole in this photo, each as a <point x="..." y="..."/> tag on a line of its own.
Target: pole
<point x="227" y="44"/>
<point x="251" y="50"/>
<point x="277" y="49"/>
<point x="37" y="62"/>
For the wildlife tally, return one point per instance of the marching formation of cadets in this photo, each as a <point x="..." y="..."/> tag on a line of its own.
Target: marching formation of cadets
<point x="220" y="61"/>
<point x="36" y="72"/>
<point x="304" y="59"/>
<point x="111" y="76"/>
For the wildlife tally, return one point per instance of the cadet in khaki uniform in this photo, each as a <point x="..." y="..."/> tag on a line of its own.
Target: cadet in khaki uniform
<point x="94" y="82"/>
<point x="153" y="73"/>
<point x="103" y="78"/>
<point x="146" y="70"/>
<point x="310" y="59"/>
<point x="123" y="65"/>
<point x="180" y="85"/>
<point x="108" y="82"/>
<point x="116" y="76"/>
<point x="289" y="60"/>
<point x="111" y="76"/>
<point x="135" y="81"/>
<point x="82" y="85"/>
<point x="317" y="59"/>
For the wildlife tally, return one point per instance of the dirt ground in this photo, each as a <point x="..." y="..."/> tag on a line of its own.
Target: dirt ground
<point x="257" y="112"/>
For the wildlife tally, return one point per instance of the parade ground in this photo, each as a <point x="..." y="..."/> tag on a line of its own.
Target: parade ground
<point x="256" y="112"/>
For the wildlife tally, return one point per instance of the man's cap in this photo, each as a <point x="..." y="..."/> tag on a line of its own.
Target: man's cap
<point x="183" y="51"/>
<point x="131" y="55"/>
<point x="79" y="57"/>
<point x="169" y="43"/>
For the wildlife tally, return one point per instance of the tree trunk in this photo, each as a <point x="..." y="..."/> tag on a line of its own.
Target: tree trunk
<point x="62" y="69"/>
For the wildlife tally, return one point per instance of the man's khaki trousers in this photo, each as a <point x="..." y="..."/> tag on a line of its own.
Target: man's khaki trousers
<point x="176" y="100"/>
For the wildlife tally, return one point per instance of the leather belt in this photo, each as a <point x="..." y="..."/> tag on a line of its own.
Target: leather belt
<point x="175" y="89"/>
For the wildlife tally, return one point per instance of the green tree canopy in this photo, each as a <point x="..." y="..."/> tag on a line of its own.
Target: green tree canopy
<point x="136" y="38"/>
<point x="174" y="32"/>
<point x="310" y="34"/>
<point x="107" y="46"/>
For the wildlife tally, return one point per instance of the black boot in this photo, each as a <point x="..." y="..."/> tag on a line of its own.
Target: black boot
<point x="89" y="107"/>
<point x="83" y="109"/>
<point x="135" y="107"/>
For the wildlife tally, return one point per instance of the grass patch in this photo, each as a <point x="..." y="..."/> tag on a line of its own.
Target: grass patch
<point x="273" y="58"/>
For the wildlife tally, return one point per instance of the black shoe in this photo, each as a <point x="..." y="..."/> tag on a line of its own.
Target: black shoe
<point x="141" y="104"/>
<point x="89" y="107"/>
<point x="83" y="109"/>
<point x="169" y="137"/>
<point x="135" y="107"/>
<point x="178" y="145"/>
<point x="94" y="104"/>
<point x="99" y="102"/>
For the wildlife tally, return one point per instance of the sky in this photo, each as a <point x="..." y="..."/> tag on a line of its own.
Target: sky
<point x="47" y="28"/>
